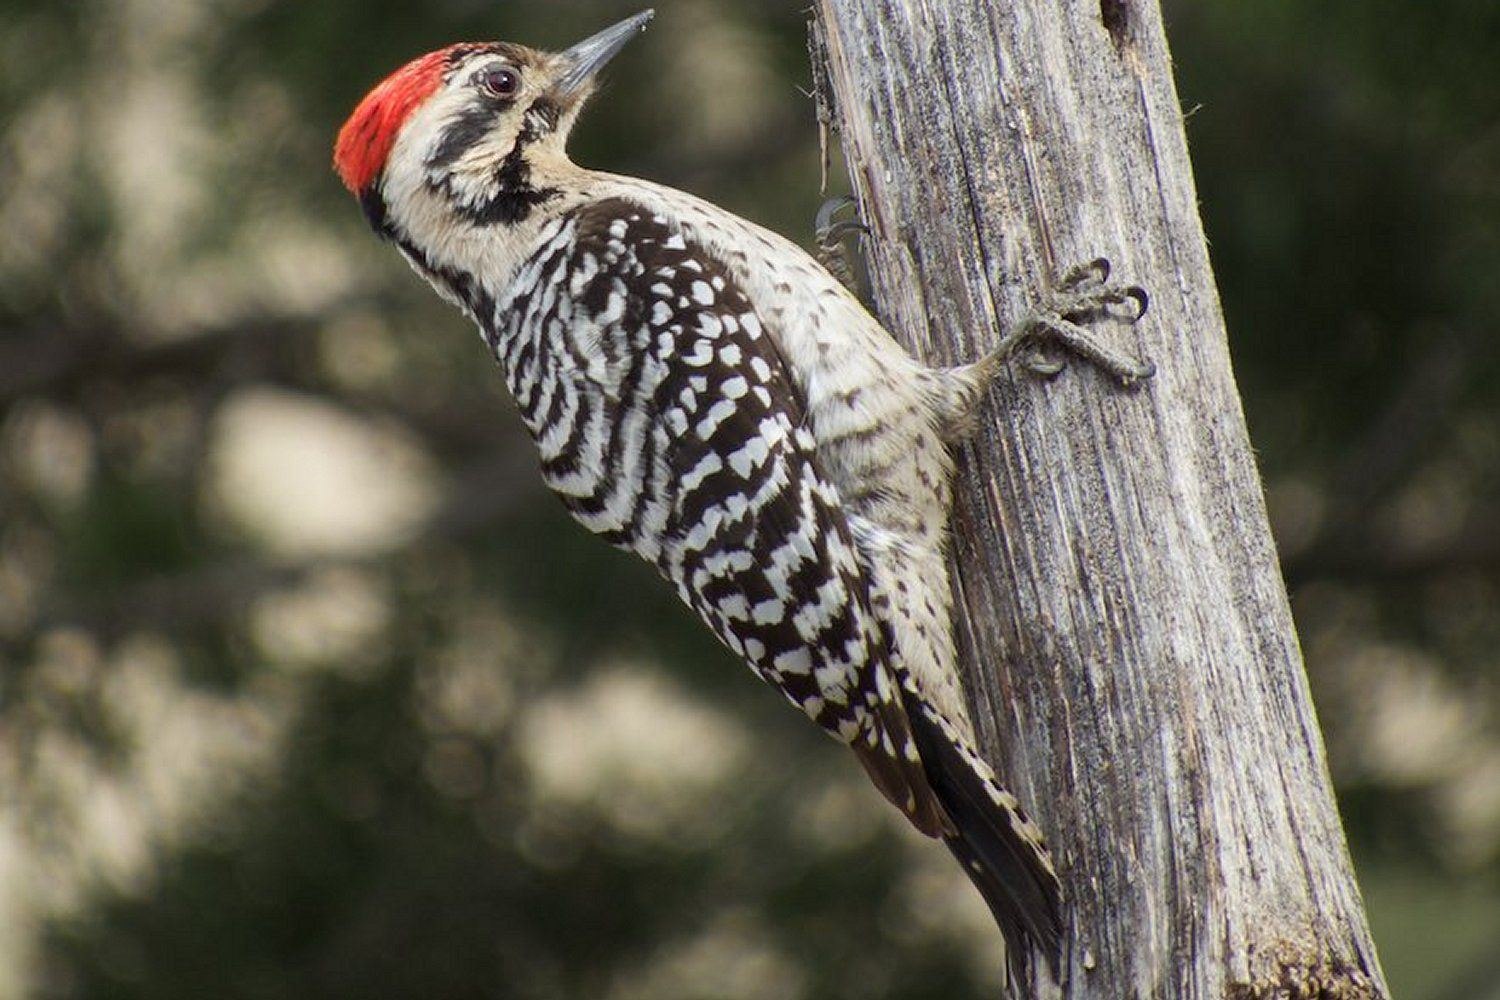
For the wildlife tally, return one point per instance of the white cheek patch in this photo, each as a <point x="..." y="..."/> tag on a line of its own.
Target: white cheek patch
<point x="424" y="132"/>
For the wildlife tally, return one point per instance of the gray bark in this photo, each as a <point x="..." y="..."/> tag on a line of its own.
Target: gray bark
<point x="1130" y="654"/>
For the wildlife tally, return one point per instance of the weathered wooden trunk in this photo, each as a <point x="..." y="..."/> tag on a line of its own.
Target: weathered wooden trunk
<point x="1133" y="666"/>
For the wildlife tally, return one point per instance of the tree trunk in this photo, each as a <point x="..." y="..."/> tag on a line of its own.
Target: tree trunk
<point x="1132" y="664"/>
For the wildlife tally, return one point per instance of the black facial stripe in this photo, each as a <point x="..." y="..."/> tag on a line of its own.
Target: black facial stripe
<point x="514" y="198"/>
<point x="470" y="126"/>
<point x="513" y="195"/>
<point x="475" y="121"/>
<point x="542" y="117"/>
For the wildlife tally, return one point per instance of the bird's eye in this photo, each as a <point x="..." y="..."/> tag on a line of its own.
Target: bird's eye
<point x="499" y="81"/>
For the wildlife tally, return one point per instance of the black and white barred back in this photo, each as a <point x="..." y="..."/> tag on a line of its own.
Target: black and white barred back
<point x="668" y="424"/>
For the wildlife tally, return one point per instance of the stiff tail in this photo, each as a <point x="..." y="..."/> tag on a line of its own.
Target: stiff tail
<point x="892" y="759"/>
<point x="999" y="847"/>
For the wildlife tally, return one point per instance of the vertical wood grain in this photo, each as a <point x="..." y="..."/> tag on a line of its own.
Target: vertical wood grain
<point x="1130" y="653"/>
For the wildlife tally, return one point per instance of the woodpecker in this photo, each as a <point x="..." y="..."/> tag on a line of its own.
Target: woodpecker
<point x="705" y="394"/>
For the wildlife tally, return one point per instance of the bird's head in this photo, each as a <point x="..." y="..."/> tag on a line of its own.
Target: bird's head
<point x="472" y="133"/>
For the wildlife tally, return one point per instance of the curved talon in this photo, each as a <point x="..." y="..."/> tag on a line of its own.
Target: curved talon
<point x="829" y="235"/>
<point x="823" y="221"/>
<point x="836" y="231"/>
<point x="1038" y="364"/>
<point x="1094" y="272"/>
<point x="1142" y="301"/>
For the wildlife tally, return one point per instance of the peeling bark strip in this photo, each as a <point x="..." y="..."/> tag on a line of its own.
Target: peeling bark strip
<point x="1132" y="660"/>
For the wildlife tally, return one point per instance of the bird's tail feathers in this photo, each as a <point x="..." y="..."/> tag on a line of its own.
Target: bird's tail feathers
<point x="1000" y="848"/>
<point x="889" y="755"/>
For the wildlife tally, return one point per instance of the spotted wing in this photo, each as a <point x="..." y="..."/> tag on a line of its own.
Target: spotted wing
<point x="668" y="424"/>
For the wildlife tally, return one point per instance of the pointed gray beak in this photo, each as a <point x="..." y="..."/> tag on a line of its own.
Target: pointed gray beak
<point x="586" y="58"/>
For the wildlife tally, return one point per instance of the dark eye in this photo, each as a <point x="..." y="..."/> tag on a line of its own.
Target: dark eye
<point x="499" y="81"/>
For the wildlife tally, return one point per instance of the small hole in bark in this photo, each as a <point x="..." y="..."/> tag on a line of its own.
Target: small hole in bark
<point x="1116" y="17"/>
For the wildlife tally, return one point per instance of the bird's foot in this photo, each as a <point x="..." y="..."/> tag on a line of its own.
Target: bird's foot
<point x="831" y="233"/>
<point x="1084" y="294"/>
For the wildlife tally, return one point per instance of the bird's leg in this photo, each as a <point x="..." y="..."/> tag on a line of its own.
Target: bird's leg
<point x="833" y="253"/>
<point x="1085" y="293"/>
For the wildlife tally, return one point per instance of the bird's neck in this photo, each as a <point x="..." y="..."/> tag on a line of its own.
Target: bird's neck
<point x="469" y="248"/>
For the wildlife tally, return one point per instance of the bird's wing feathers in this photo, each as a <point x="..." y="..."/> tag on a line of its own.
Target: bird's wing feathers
<point x="668" y="423"/>
<point x="751" y="531"/>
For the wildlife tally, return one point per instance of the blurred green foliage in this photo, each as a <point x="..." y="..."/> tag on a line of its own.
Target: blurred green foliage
<point x="243" y="758"/>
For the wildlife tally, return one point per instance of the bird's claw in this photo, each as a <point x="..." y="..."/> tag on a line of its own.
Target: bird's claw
<point x="1091" y="272"/>
<point x="830" y="235"/>
<point x="1085" y="293"/>
<point x="823" y="221"/>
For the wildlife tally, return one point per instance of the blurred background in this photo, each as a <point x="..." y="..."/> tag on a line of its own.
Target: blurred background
<point x="308" y="690"/>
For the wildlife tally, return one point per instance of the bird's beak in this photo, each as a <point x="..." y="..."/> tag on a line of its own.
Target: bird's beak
<point x="584" y="60"/>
